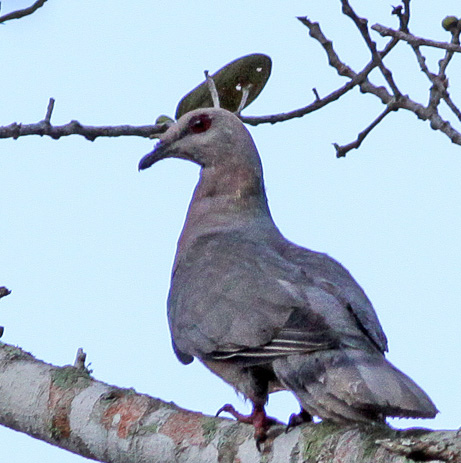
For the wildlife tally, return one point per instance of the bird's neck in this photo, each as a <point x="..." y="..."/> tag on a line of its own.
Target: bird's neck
<point x="233" y="188"/>
<point x="226" y="200"/>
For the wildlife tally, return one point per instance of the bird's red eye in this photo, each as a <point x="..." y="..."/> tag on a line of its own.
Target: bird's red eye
<point x="200" y="123"/>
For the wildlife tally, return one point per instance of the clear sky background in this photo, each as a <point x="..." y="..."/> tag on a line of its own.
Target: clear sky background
<point x="87" y="242"/>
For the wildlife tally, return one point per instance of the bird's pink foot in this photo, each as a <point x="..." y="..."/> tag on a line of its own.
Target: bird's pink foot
<point x="258" y="419"/>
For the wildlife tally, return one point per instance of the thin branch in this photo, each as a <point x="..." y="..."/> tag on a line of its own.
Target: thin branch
<point x="49" y="111"/>
<point x="443" y="64"/>
<point x="333" y="59"/>
<point x="438" y="85"/>
<point x="439" y="81"/>
<point x="43" y="128"/>
<point x="343" y="70"/>
<point x="317" y="104"/>
<point x="21" y="13"/>
<point x="426" y="114"/>
<point x="341" y="151"/>
<point x="399" y="101"/>
<point x="403" y="13"/>
<point x="356" y="79"/>
<point x="452" y="106"/>
<point x="414" y="40"/>
<point x="362" y="25"/>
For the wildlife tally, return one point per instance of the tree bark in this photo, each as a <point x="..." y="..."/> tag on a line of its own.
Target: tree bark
<point x="66" y="407"/>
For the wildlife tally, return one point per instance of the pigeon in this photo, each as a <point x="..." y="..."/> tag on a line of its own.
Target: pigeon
<point x="262" y="313"/>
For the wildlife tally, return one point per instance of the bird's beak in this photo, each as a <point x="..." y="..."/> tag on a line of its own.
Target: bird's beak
<point x="160" y="152"/>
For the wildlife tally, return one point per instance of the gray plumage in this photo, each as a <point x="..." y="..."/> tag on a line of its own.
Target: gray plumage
<point x="261" y="312"/>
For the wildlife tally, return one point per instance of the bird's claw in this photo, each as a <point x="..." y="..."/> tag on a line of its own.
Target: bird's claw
<point x="258" y="419"/>
<point x="238" y="416"/>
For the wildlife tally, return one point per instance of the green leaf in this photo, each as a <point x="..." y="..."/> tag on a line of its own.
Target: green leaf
<point x="250" y="72"/>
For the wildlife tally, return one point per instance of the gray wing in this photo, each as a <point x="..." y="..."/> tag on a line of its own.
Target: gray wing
<point x="232" y="297"/>
<point x="335" y="279"/>
<point x="225" y="295"/>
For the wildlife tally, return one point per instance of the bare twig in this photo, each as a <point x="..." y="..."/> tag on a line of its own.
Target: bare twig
<point x="343" y="70"/>
<point x="452" y="106"/>
<point x="42" y="128"/>
<point x="439" y="81"/>
<point x="362" y="25"/>
<point x="403" y="13"/>
<point x="333" y="59"/>
<point x="49" y="111"/>
<point x="21" y="13"/>
<point x="393" y="103"/>
<point x="443" y="64"/>
<point x="356" y="79"/>
<point x="414" y="40"/>
<point x="436" y="121"/>
<point x="314" y="106"/>
<point x="341" y="151"/>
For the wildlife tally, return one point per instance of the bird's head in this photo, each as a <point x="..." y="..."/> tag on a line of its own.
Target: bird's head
<point x="210" y="137"/>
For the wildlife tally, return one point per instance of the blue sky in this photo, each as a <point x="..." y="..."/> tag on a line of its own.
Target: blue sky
<point x="87" y="242"/>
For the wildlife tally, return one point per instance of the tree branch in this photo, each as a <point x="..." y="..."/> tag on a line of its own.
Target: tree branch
<point x="66" y="407"/>
<point x="438" y="91"/>
<point x="21" y="13"/>
<point x="425" y="449"/>
<point x="362" y="25"/>
<point x="414" y="40"/>
<point x="341" y="151"/>
<point x="360" y="79"/>
<point x="397" y="100"/>
<point x="42" y="128"/>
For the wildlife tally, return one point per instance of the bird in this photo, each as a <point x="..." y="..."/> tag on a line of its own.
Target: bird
<point x="261" y="312"/>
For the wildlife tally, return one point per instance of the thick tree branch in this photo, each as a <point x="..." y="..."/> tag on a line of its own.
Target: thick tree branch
<point x="21" y="13"/>
<point x="66" y="407"/>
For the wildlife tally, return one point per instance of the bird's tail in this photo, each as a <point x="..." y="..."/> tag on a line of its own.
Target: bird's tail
<point x="351" y="385"/>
